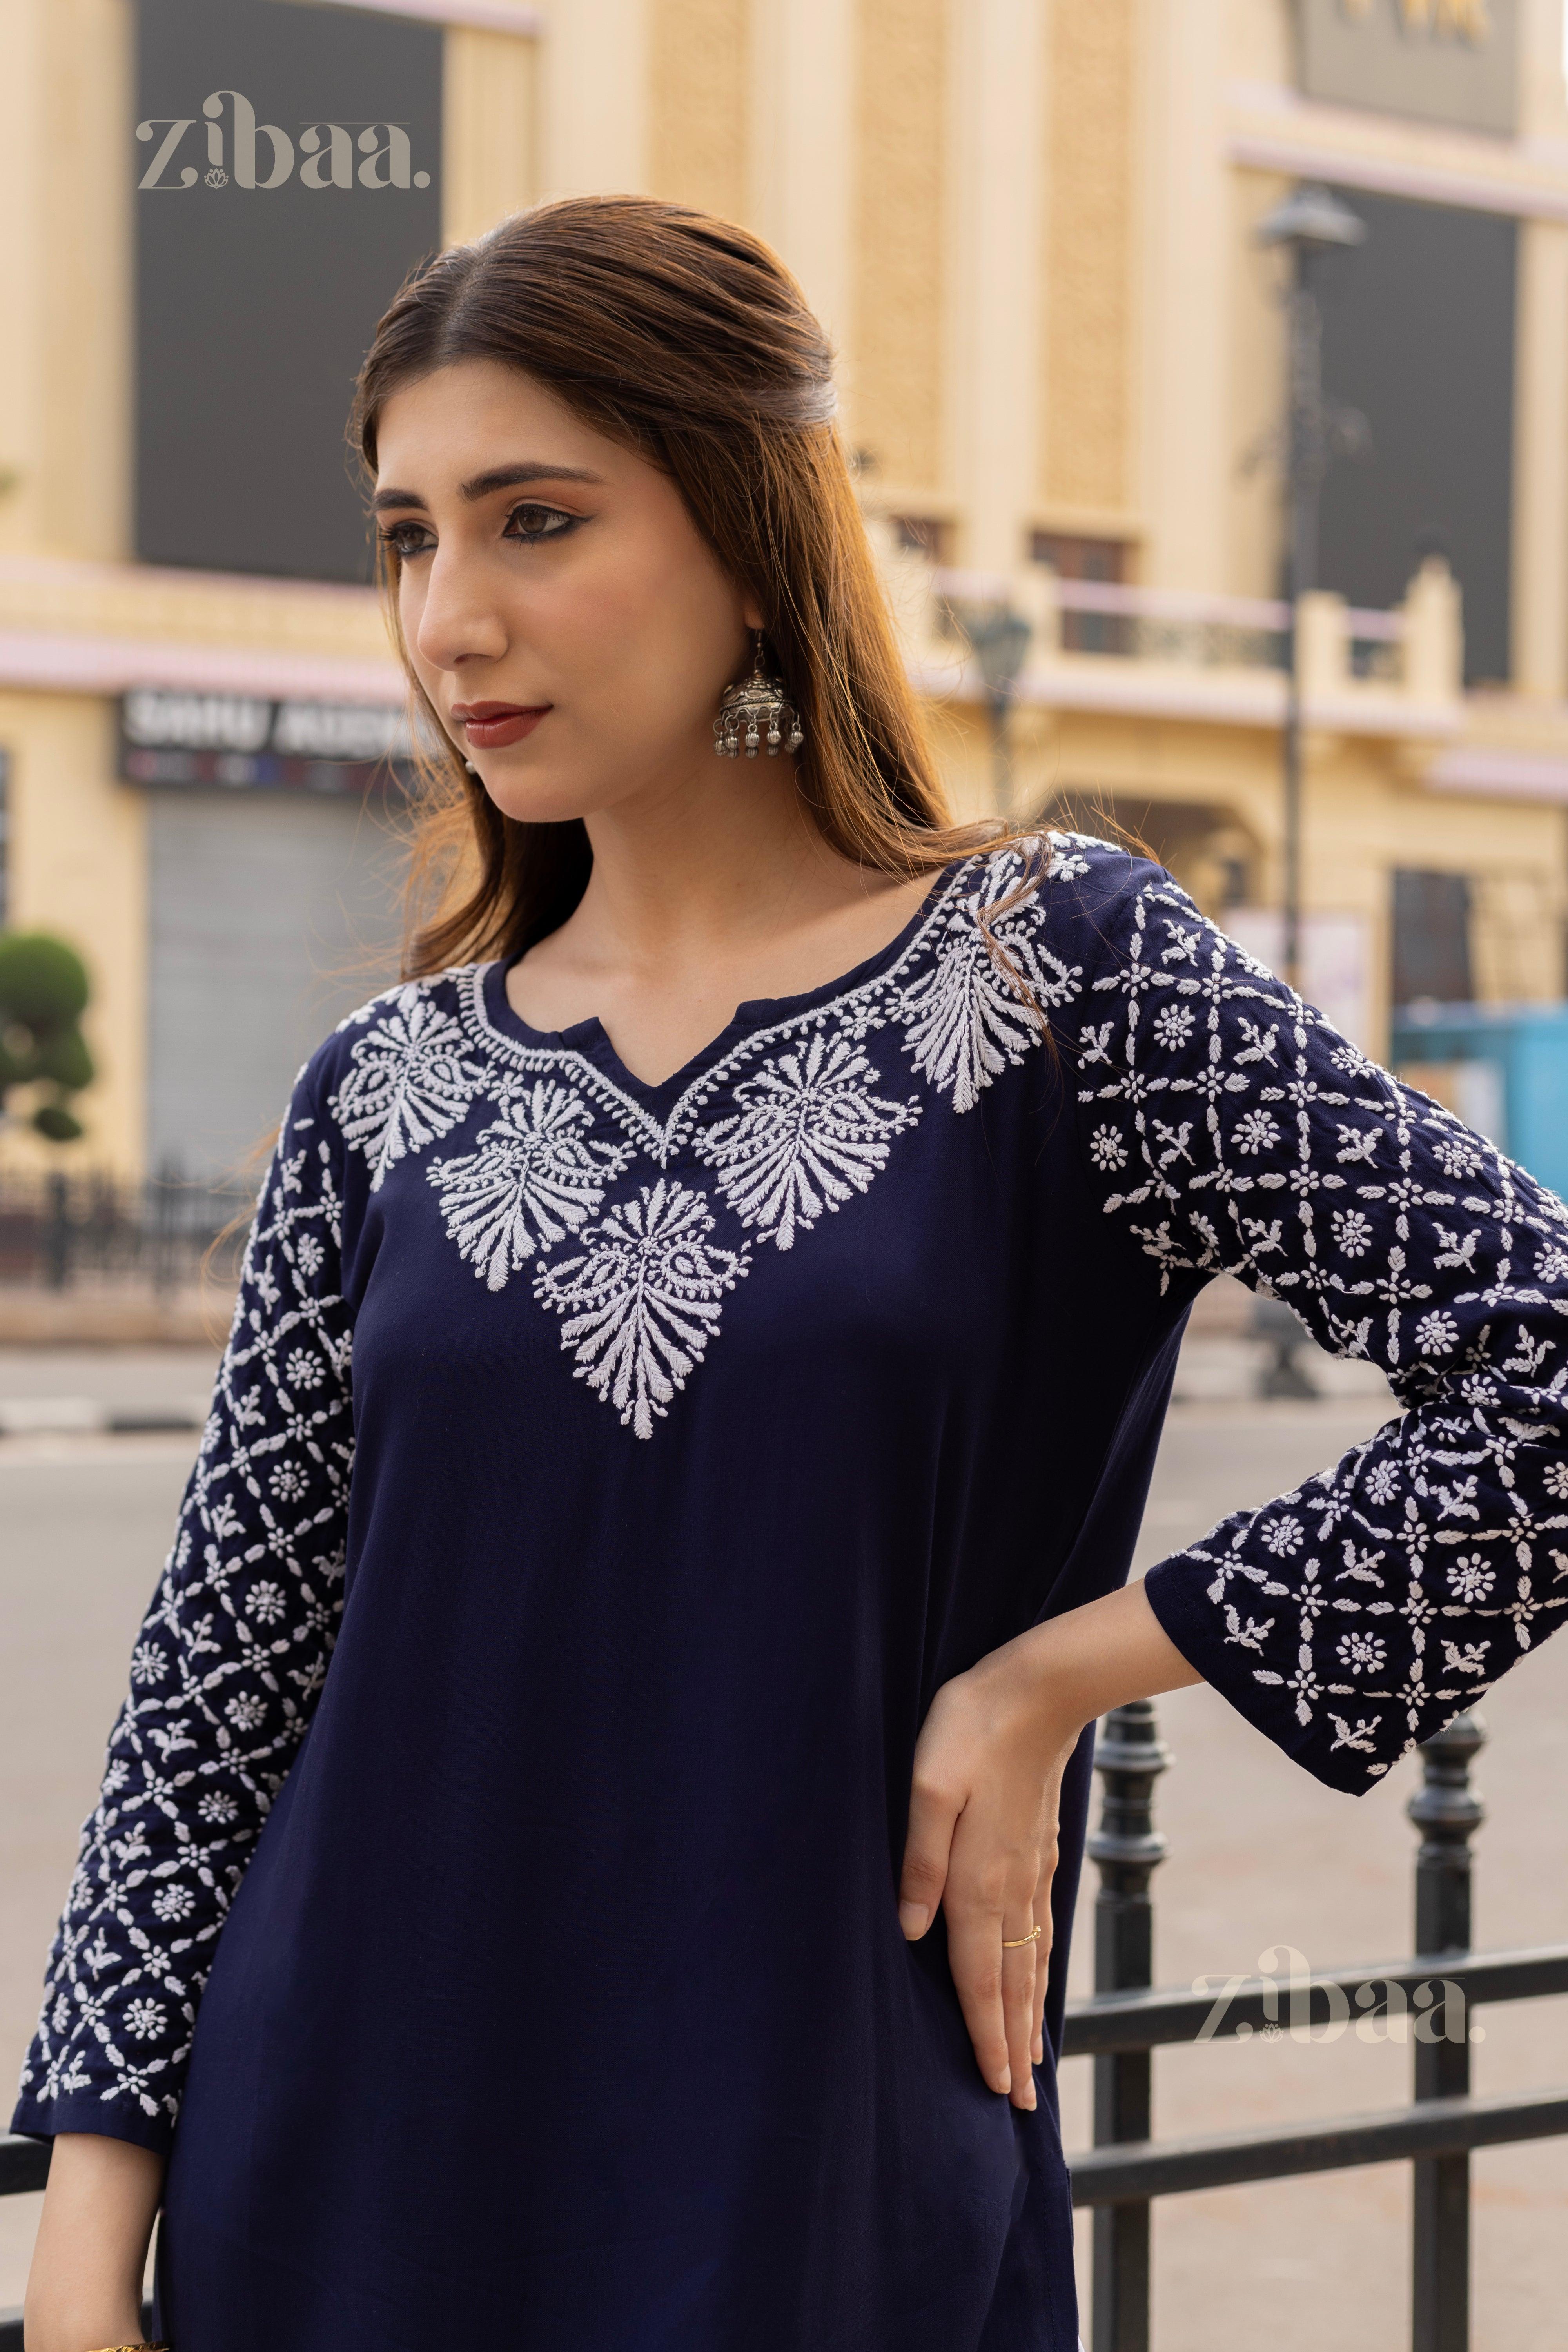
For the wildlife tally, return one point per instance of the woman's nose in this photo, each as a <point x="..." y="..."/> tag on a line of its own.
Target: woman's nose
<point x="459" y="622"/>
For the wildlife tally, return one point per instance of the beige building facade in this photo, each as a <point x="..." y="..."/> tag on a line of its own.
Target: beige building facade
<point x="1030" y="226"/>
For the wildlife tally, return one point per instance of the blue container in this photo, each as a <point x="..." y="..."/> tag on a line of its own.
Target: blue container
<point x="1502" y="1069"/>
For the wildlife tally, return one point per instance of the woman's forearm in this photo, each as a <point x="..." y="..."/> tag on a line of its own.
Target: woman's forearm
<point x="85" y="2285"/>
<point x="1086" y="1661"/>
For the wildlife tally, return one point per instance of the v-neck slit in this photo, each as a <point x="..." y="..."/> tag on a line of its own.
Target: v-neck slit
<point x="660" y="1100"/>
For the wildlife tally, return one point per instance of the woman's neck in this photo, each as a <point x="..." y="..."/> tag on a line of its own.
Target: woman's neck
<point x="707" y="869"/>
<point x="700" y="899"/>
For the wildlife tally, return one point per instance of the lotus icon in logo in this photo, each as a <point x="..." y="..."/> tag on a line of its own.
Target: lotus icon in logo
<point x="216" y="178"/>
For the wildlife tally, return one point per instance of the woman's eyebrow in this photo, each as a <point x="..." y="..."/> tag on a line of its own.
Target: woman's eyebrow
<point x="499" y="477"/>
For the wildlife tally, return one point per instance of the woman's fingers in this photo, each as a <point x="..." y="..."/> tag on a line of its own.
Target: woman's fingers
<point x="933" y="1810"/>
<point x="993" y="1874"/>
<point x="1001" y="1970"/>
<point x="1050" y="1852"/>
<point x="1018" y="1983"/>
<point x="988" y="1979"/>
<point x="1042" y="1968"/>
<point x="1046" y="1923"/>
<point x="999" y="1966"/>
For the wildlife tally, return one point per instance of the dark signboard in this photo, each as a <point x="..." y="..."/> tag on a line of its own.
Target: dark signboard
<point x="248" y="742"/>
<point x="287" y="162"/>
<point x="1442" y="60"/>
<point x="1418" y="334"/>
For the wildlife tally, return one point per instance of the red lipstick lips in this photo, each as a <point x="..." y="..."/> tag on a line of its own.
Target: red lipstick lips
<point x="490" y="726"/>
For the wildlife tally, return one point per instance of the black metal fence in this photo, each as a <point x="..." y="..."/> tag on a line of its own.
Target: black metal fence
<point x="1128" y="2019"/>
<point x="59" y="1229"/>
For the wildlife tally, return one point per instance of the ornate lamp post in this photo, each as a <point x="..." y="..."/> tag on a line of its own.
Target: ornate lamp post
<point x="1310" y="225"/>
<point x="998" y="638"/>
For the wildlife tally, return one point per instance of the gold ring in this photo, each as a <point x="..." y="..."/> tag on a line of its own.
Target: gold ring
<point x="1011" y="1943"/>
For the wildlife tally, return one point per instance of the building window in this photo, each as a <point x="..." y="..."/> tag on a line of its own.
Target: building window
<point x="1431" y="939"/>
<point x="927" y="535"/>
<point x="1073" y="558"/>
<point x="1103" y="561"/>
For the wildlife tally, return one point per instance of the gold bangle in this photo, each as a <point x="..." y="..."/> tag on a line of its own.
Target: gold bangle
<point x="1011" y="1943"/>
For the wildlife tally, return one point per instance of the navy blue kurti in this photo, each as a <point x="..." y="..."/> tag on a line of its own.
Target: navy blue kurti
<point x="517" y="1752"/>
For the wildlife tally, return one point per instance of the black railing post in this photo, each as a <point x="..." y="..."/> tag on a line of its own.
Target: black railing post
<point x="1447" y="1812"/>
<point x="1287" y="1335"/>
<point x="57" y="1232"/>
<point x="1129" y="1755"/>
<point x="166" y="1192"/>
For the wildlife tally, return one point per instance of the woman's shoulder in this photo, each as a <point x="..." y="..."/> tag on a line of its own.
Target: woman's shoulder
<point x="428" y="997"/>
<point x="430" y="1022"/>
<point x="1076" y="896"/>
<point x="1060" y="871"/>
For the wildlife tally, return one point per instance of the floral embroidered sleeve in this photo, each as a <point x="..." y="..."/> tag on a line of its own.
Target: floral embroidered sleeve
<point x="1228" y="1126"/>
<point x="224" y="1677"/>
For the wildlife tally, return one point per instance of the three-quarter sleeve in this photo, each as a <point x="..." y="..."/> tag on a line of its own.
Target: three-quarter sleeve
<point x="1225" y="1125"/>
<point x="223" y="1678"/>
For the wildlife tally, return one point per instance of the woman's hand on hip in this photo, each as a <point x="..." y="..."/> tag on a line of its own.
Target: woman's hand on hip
<point x="983" y="1843"/>
<point x="983" y="1809"/>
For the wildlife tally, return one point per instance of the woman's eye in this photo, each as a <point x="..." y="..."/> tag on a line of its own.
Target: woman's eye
<point x="532" y="523"/>
<point x="406" y="538"/>
<point x="529" y="523"/>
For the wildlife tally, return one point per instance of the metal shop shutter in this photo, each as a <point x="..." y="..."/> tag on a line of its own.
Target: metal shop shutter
<point x="269" y="917"/>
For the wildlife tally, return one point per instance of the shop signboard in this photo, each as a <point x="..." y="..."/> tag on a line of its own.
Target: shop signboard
<point x="244" y="743"/>
<point x="1453" y="61"/>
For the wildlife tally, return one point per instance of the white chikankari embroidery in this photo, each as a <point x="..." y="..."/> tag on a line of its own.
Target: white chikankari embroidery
<point x="231" y="1655"/>
<point x="806" y="1134"/>
<point x="642" y="1302"/>
<point x="537" y="1174"/>
<point x="409" y="1081"/>
<point x="965" y="1017"/>
<point x="1250" y="1138"/>
<point x="801" y="1127"/>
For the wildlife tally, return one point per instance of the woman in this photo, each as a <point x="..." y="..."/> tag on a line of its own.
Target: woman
<point x="762" y="1229"/>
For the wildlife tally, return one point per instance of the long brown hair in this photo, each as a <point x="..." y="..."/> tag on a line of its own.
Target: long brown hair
<point x="685" y="338"/>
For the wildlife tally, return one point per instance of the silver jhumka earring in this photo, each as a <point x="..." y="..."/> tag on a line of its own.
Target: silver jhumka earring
<point x="755" y="712"/>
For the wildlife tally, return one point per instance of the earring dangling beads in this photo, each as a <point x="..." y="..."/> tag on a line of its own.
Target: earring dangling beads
<point x="756" y="713"/>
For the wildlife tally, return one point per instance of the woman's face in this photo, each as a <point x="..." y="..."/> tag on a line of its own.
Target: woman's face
<point x="565" y="617"/>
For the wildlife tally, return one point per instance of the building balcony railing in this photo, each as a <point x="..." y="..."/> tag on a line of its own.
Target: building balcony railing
<point x="1090" y="644"/>
<point x="1219" y="632"/>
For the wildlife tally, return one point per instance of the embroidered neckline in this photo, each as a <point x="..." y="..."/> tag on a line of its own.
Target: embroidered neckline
<point x="633" y="1226"/>
<point x="757" y="1022"/>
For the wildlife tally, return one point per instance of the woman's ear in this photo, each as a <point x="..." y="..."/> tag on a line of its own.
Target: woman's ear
<point x="752" y="613"/>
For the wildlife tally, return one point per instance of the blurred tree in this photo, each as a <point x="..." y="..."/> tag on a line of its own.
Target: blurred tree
<point x="42" y="995"/>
